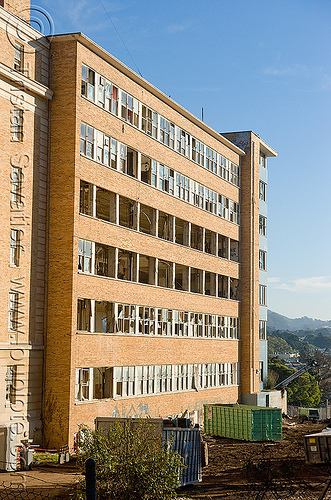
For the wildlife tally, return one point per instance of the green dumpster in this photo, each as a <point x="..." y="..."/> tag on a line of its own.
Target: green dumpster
<point x="248" y="423"/>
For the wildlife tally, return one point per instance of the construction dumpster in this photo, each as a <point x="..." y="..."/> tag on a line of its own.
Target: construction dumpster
<point x="187" y="442"/>
<point x="248" y="423"/>
<point x="318" y="447"/>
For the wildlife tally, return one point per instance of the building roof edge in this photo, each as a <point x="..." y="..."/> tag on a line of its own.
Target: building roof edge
<point x="84" y="40"/>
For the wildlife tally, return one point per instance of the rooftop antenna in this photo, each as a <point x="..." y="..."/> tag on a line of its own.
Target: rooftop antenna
<point x="202" y="114"/>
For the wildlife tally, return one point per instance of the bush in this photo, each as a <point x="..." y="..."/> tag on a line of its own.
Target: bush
<point x="131" y="462"/>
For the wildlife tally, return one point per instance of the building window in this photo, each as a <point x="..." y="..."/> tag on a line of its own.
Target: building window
<point x="11" y="377"/>
<point x="85" y="256"/>
<point x="15" y="239"/>
<point x="262" y="295"/>
<point x="14" y="311"/>
<point x="84" y="313"/>
<point x="19" y="57"/>
<point x="17" y="124"/>
<point x="83" y="387"/>
<point x="263" y="189"/>
<point x="262" y="260"/>
<point x="261" y="371"/>
<point x="86" y="198"/>
<point x="263" y="160"/>
<point x="262" y="330"/>
<point x="16" y="186"/>
<point x="88" y="82"/>
<point x="262" y="225"/>
<point x="87" y="140"/>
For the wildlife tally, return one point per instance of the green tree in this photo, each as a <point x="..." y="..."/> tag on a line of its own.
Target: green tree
<point x="304" y="391"/>
<point x="132" y="463"/>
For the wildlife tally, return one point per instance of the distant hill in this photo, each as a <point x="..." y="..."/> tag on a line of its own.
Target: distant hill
<point x="279" y="322"/>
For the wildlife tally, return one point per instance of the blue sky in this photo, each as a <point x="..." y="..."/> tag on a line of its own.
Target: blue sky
<point x="258" y="65"/>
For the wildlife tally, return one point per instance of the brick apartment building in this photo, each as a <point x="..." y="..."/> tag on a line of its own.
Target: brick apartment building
<point x="133" y="243"/>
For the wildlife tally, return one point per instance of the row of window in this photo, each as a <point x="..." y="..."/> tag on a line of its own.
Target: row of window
<point x="111" y="207"/>
<point x="112" y="153"/>
<point x="115" y="100"/>
<point x="104" y="260"/>
<point x="130" y="381"/>
<point x="97" y="316"/>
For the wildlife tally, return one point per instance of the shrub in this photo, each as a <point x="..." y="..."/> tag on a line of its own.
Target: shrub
<point x="131" y="462"/>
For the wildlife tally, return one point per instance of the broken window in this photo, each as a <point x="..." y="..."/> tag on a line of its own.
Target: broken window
<point x="234" y="174"/>
<point x="128" y="160"/>
<point x="125" y="381"/>
<point x="104" y="264"/>
<point x="210" y="242"/>
<point x="262" y="260"/>
<point x="165" y="274"/>
<point x="223" y="246"/>
<point x="14" y="303"/>
<point x="16" y="187"/>
<point x="233" y="328"/>
<point x="147" y="220"/>
<point x="11" y="383"/>
<point x="88" y="82"/>
<point x="149" y="121"/>
<point x="197" y="324"/>
<point x="262" y="295"/>
<point x="105" y="205"/>
<point x="17" y="124"/>
<point x="146" y="270"/>
<point x="210" y="200"/>
<point x="113" y="154"/>
<point x="234" y="250"/>
<point x="86" y="198"/>
<point x="104" y="317"/>
<point x="223" y="286"/>
<point x="126" y="267"/>
<point x="102" y="383"/>
<point x="210" y="283"/>
<point x="146" y="320"/>
<point x="84" y="313"/>
<point x="83" y="384"/>
<point x="234" y="289"/>
<point x="197" y="194"/>
<point x="197" y="151"/>
<point x="262" y="225"/>
<point x="87" y="140"/>
<point x="196" y="237"/>
<point x="224" y="168"/>
<point x="166" y="179"/>
<point x="262" y="330"/>
<point x="19" y="57"/>
<point x="103" y="144"/>
<point x="15" y="247"/>
<point x="181" y="232"/>
<point x="127" y="213"/>
<point x="183" y="142"/>
<point x="146" y="169"/>
<point x="181" y="277"/>
<point x="263" y="160"/>
<point x="233" y="211"/>
<point x="164" y="322"/>
<point x="263" y="191"/>
<point x="181" y="322"/>
<point x="211" y="160"/>
<point x="196" y="281"/>
<point x="129" y="108"/>
<point x="182" y="187"/>
<point x="126" y="318"/>
<point x="165" y="226"/>
<point x="84" y="256"/>
<point x="167" y="132"/>
<point x="210" y="325"/>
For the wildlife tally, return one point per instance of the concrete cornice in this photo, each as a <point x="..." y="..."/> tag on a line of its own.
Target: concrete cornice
<point x="30" y="85"/>
<point x="84" y="40"/>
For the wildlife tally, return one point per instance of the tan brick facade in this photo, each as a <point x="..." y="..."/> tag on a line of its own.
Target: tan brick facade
<point x="205" y="359"/>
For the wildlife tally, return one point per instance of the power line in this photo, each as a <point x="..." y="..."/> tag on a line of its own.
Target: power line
<point x="126" y="48"/>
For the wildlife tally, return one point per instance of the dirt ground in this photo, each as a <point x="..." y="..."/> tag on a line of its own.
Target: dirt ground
<point x="275" y="470"/>
<point x="236" y="470"/>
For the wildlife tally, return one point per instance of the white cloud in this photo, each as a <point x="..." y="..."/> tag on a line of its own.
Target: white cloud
<point x="289" y="70"/>
<point x="178" y="28"/>
<point x="315" y="284"/>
